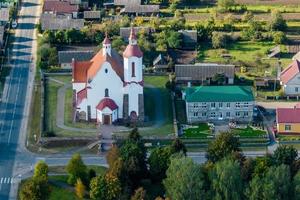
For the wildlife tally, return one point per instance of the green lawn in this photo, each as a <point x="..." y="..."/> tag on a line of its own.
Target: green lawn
<point x="62" y="194"/>
<point x="180" y="111"/>
<point x="149" y="104"/>
<point x="51" y="89"/>
<point x="202" y="131"/>
<point x="249" y="132"/>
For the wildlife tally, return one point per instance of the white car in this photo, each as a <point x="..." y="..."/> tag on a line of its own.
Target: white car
<point x="14" y="24"/>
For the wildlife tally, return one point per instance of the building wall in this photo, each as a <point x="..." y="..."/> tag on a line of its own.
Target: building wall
<point x="133" y="87"/>
<point x="290" y="87"/>
<point x="96" y="93"/>
<point x="295" y="128"/>
<point x="237" y="111"/>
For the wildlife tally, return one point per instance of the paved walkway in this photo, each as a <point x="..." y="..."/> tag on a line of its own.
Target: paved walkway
<point x="276" y="104"/>
<point x="61" y="110"/>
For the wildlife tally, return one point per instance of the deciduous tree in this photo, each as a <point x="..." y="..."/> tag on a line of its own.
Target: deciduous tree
<point x="76" y="170"/>
<point x="41" y="171"/>
<point x="224" y="144"/>
<point x="226" y="180"/>
<point x="184" y="180"/>
<point x="79" y="189"/>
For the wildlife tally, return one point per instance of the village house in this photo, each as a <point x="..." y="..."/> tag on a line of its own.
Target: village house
<point x="136" y="7"/>
<point x="60" y="22"/>
<point x="65" y="58"/>
<point x="61" y="8"/>
<point x="203" y="73"/>
<point x="288" y="120"/>
<point x="290" y="79"/>
<point x="108" y="88"/>
<point x="219" y="103"/>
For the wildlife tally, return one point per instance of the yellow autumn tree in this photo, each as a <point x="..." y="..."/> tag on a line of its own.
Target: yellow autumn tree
<point x="79" y="189"/>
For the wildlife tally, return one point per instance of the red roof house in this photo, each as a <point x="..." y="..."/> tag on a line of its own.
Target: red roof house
<point x="288" y="120"/>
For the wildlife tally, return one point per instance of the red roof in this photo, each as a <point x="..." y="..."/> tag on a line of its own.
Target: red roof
<point x="133" y="51"/>
<point x="288" y="115"/>
<point x="85" y="71"/>
<point x="82" y="94"/>
<point x="290" y="72"/>
<point x="107" y="102"/>
<point x="59" y="7"/>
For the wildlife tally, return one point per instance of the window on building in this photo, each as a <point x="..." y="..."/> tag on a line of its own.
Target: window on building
<point x="106" y="71"/>
<point x="195" y="114"/>
<point x="228" y="105"/>
<point x="220" y="105"/>
<point x="213" y="115"/>
<point x="237" y="114"/>
<point x="213" y="105"/>
<point x="227" y="114"/>
<point x="296" y="89"/>
<point x="246" y="114"/>
<point x="106" y="93"/>
<point x="204" y="114"/>
<point x="238" y="105"/>
<point x="133" y="69"/>
<point x="288" y="127"/>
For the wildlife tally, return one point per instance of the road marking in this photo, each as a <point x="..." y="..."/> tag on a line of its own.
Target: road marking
<point x="14" y="112"/>
<point x="8" y="180"/>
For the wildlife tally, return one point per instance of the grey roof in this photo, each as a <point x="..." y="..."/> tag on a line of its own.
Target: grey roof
<point x="202" y="71"/>
<point x="125" y="31"/>
<point x="140" y="9"/>
<point x="4" y="14"/>
<point x="189" y="36"/>
<point x="60" y="22"/>
<point x="91" y="14"/>
<point x="67" y="56"/>
<point x="127" y="2"/>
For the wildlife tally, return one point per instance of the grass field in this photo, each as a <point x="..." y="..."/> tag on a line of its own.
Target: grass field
<point x="51" y="89"/>
<point x="158" y="82"/>
<point x="248" y="132"/>
<point x="202" y="131"/>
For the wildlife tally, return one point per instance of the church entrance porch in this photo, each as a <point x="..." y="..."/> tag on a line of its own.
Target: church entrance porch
<point x="106" y="119"/>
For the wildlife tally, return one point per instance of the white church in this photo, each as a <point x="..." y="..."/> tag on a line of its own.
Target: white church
<point x="108" y="88"/>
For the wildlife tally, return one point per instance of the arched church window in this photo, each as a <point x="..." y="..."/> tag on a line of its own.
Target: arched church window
<point x="133" y="69"/>
<point x="106" y="70"/>
<point x="106" y="93"/>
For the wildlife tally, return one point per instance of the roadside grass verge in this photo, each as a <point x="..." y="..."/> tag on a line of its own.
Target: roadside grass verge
<point x="249" y="132"/>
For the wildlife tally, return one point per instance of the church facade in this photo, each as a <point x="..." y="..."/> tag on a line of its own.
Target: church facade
<point x="109" y="88"/>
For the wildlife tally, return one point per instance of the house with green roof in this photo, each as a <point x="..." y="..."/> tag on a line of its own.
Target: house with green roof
<point x="219" y="103"/>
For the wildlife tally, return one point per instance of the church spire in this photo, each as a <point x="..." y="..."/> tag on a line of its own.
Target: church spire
<point x="132" y="38"/>
<point x="106" y="45"/>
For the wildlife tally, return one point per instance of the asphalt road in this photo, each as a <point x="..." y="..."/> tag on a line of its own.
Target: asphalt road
<point x="14" y="94"/>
